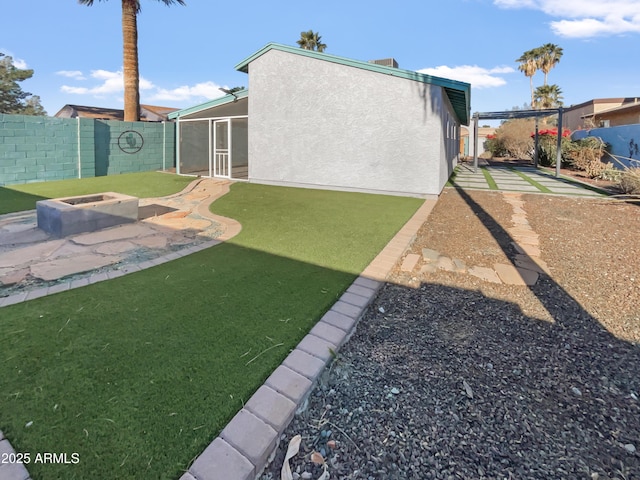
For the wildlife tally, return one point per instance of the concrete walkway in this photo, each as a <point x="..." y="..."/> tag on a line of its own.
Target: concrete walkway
<point x="519" y="179"/>
<point x="245" y="445"/>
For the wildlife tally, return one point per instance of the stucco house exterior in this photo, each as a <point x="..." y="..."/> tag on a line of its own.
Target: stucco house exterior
<point x="321" y="121"/>
<point x="627" y="114"/>
<point x="585" y="115"/>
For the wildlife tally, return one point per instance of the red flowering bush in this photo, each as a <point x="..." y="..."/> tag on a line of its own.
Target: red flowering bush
<point x="548" y="146"/>
<point x="553" y="132"/>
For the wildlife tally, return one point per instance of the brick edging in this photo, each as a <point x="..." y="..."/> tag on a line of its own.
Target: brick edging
<point x="250" y="439"/>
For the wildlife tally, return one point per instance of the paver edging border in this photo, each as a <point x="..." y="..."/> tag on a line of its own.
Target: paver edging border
<point x="302" y="367"/>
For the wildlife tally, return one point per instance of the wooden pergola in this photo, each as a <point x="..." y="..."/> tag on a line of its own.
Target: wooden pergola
<point x="507" y="115"/>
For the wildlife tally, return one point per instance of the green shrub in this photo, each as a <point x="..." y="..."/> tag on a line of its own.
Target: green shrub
<point x="495" y="146"/>
<point x="548" y="146"/>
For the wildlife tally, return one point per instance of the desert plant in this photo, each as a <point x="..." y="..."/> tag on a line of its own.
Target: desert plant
<point x="513" y="139"/>
<point x="630" y="181"/>
<point x="586" y="155"/>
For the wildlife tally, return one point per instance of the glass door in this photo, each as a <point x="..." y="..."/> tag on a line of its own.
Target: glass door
<point x="221" y="150"/>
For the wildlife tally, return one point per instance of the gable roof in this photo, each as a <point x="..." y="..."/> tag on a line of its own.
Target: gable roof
<point x="459" y="93"/>
<point x="229" y="98"/>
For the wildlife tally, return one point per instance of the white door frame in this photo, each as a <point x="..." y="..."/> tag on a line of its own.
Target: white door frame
<point x="220" y="158"/>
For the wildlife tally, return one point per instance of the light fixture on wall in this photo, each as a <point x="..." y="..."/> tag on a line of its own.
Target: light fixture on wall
<point x="229" y="92"/>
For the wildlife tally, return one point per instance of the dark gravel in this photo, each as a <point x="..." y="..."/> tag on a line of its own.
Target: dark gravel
<point x="453" y="380"/>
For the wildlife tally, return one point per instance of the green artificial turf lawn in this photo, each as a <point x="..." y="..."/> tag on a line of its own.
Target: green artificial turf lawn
<point x="17" y="198"/>
<point x="138" y="375"/>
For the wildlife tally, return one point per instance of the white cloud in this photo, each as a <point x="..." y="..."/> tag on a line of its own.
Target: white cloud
<point x="585" y="18"/>
<point x="76" y="74"/>
<point x="111" y="84"/>
<point x="478" y="77"/>
<point x="20" y="64"/>
<point x="17" y="62"/>
<point x="205" y="90"/>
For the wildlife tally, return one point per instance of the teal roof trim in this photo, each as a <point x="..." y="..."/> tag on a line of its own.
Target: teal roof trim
<point x="459" y="93"/>
<point x="212" y="103"/>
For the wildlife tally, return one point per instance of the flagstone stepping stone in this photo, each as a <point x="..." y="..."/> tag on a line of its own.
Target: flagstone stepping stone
<point x="529" y="263"/>
<point x="484" y="273"/>
<point x="113" y="248"/>
<point x="520" y="219"/>
<point x="515" y="276"/>
<point x="530" y="250"/>
<point x="410" y="262"/>
<point x="122" y="232"/>
<point x="29" y="235"/>
<point x="459" y="266"/>
<point x="59" y="268"/>
<point x="185" y="223"/>
<point x="25" y="255"/>
<point x="152" y="241"/>
<point x="69" y="249"/>
<point x="166" y="216"/>
<point x="14" y="276"/>
<point x="445" y="263"/>
<point x="430" y="255"/>
<point x="429" y="268"/>
<point x="531" y="240"/>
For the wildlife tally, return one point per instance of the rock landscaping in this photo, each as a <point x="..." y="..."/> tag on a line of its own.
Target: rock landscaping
<point x="453" y="375"/>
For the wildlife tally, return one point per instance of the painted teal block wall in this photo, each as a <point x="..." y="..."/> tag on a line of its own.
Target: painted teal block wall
<point x="40" y="149"/>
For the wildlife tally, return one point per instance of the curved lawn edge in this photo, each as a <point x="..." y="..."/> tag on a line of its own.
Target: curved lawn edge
<point x="163" y="353"/>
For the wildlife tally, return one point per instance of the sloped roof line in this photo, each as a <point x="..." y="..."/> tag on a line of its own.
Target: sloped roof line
<point x="613" y="109"/>
<point x="457" y="91"/>
<point x="211" y="103"/>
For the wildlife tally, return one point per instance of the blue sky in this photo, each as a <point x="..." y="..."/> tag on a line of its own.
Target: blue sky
<point x="188" y="52"/>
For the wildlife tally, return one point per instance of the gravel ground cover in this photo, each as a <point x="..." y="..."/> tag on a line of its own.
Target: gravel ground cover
<point x="449" y="376"/>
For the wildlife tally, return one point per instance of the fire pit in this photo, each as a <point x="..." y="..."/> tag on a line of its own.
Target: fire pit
<point x="85" y="213"/>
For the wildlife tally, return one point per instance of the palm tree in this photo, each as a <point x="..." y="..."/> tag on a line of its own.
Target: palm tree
<point x="548" y="96"/>
<point x="130" y="10"/>
<point x="311" y="40"/>
<point x="549" y="57"/>
<point x="529" y="66"/>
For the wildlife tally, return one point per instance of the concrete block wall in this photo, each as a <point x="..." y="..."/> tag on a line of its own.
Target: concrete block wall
<point x="39" y="149"/>
<point x="157" y="152"/>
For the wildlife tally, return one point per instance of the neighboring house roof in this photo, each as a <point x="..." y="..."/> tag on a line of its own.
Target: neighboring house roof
<point x="482" y="131"/>
<point x="621" y="109"/>
<point x="595" y="101"/>
<point x="459" y="93"/>
<point x="150" y="113"/>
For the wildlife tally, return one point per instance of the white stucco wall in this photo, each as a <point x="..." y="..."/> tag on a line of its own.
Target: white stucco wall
<point x="317" y="123"/>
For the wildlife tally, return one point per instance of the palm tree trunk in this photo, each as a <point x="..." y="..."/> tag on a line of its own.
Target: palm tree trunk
<point x="531" y="87"/>
<point x="130" y="58"/>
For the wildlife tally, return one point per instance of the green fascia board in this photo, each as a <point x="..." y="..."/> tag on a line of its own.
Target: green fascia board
<point x="459" y="93"/>
<point x="211" y="103"/>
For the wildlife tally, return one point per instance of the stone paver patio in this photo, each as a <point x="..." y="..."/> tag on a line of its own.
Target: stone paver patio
<point x="34" y="264"/>
<point x="519" y="179"/>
